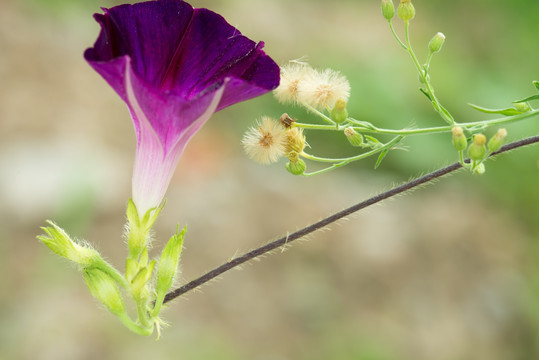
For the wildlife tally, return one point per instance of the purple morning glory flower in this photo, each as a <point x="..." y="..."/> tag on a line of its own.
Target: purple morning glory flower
<point x="174" y="66"/>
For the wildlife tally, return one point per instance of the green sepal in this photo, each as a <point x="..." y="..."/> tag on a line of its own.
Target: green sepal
<point x="506" y="112"/>
<point x="131" y="268"/>
<point x="140" y="280"/>
<point x="104" y="289"/>
<point x="143" y="261"/>
<point x="151" y="215"/>
<point x="167" y="267"/>
<point x="61" y="244"/>
<point x="132" y="213"/>
<point x="168" y="263"/>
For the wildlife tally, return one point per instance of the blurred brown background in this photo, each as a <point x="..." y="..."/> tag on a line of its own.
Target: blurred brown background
<point x="447" y="272"/>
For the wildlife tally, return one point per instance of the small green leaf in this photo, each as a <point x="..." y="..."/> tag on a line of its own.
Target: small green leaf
<point x="529" y="98"/>
<point x="425" y="93"/>
<point x="536" y="83"/>
<point x="373" y="142"/>
<point x="506" y="112"/>
<point x="381" y="158"/>
<point x="446" y="112"/>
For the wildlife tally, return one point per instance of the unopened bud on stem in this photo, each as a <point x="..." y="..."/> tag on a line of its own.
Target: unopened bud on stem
<point x="388" y="9"/>
<point x="339" y="113"/>
<point x="477" y="149"/>
<point x="406" y="10"/>
<point x="496" y="142"/>
<point x="459" y="139"/>
<point x="436" y="42"/>
<point x="355" y="138"/>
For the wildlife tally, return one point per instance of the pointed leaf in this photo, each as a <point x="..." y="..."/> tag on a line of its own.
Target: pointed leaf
<point x="425" y="93"/>
<point x="381" y="158"/>
<point x="529" y="98"/>
<point x="506" y="112"/>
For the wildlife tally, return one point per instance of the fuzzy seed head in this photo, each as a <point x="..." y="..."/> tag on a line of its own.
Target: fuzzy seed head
<point x="292" y="75"/>
<point x="322" y="89"/>
<point x="266" y="142"/>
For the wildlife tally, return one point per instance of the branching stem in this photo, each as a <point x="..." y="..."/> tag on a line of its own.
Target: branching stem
<point x="285" y="240"/>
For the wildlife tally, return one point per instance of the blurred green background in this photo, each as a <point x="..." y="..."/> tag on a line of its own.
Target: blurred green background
<point x="447" y="272"/>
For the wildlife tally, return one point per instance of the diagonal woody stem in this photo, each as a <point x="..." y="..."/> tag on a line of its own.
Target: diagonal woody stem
<point x="331" y="219"/>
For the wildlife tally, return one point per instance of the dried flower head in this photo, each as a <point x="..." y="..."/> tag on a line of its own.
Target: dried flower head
<point x="295" y="140"/>
<point x="292" y="75"/>
<point x="266" y="142"/>
<point x="321" y="89"/>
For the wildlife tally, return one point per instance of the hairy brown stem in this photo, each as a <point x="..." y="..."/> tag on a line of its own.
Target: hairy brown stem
<point x="330" y="219"/>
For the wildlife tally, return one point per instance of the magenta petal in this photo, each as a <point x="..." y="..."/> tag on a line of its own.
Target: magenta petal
<point x="174" y="66"/>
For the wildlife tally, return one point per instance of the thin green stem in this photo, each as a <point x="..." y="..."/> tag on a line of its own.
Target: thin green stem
<point x="142" y="310"/>
<point x="158" y="304"/>
<point x="134" y="327"/>
<point x="423" y="74"/>
<point x="421" y="131"/>
<point x="403" y="45"/>
<point x="344" y="161"/>
<point x="319" y="113"/>
<point x="427" y="63"/>
<point x="112" y="272"/>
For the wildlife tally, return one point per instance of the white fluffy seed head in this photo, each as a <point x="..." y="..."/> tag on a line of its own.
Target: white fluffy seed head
<point x="266" y="142"/>
<point x="321" y="89"/>
<point x="292" y="75"/>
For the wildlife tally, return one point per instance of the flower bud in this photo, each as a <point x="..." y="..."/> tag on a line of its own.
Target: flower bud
<point x="296" y="167"/>
<point x="459" y="140"/>
<point x="436" y="42"/>
<point x="388" y="9"/>
<point x="104" y="289"/>
<point x="477" y="149"/>
<point x="479" y="169"/>
<point x="61" y="244"/>
<point x="522" y="107"/>
<point x="355" y="138"/>
<point x="495" y="142"/>
<point x="168" y="263"/>
<point x="406" y="10"/>
<point x="138" y="283"/>
<point x="339" y="113"/>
